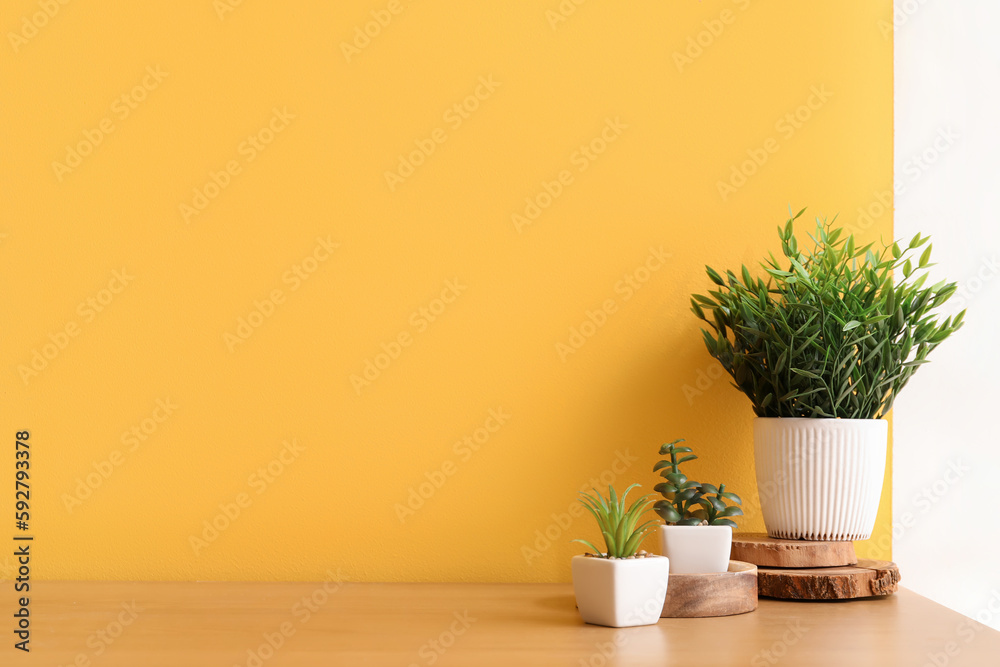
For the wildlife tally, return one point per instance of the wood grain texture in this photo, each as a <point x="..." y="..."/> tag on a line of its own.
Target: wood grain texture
<point x="866" y="579"/>
<point x="526" y="625"/>
<point x="719" y="594"/>
<point x="764" y="551"/>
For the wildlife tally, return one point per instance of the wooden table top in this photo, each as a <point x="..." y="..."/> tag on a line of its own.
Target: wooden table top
<point x="272" y="624"/>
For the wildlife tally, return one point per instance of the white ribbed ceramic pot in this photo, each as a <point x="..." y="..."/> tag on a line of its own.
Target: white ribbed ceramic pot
<point x="820" y="479"/>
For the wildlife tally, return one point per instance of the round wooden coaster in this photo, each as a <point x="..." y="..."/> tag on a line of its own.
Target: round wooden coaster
<point x="719" y="594"/>
<point x="764" y="551"/>
<point x="866" y="579"/>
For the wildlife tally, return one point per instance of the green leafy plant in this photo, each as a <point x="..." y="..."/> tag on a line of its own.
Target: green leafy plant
<point x="716" y="511"/>
<point x="680" y="495"/>
<point x="689" y="503"/>
<point x="834" y="331"/>
<point x="619" y="524"/>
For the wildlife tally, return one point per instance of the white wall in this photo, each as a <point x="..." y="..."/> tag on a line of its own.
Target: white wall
<point x="946" y="477"/>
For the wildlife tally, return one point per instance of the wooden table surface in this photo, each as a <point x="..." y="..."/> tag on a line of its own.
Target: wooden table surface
<point x="519" y="625"/>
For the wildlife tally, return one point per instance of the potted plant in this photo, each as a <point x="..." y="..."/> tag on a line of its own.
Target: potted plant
<point x="822" y="344"/>
<point x="619" y="587"/>
<point x="698" y="533"/>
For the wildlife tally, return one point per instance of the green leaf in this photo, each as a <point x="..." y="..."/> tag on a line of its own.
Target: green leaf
<point x="633" y="543"/>
<point x="609" y="539"/>
<point x="672" y="447"/>
<point x="687" y="494"/>
<point x="676" y="478"/>
<point x="732" y="497"/>
<point x="715" y="277"/>
<point x="704" y="300"/>
<point x="925" y="256"/>
<point x="668" y="513"/>
<point x="590" y="546"/>
<point x="853" y="324"/>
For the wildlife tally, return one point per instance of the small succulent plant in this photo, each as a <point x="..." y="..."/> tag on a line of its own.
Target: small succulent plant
<point x="716" y="511"/>
<point x="619" y="524"/>
<point x="687" y="502"/>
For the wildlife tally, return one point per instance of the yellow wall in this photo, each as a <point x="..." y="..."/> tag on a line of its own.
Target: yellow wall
<point x="500" y="294"/>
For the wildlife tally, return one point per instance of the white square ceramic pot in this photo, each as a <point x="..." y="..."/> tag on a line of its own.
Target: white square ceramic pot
<point x="820" y="479"/>
<point x="697" y="549"/>
<point x="620" y="593"/>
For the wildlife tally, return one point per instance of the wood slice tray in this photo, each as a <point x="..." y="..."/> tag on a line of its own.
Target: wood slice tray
<point x="764" y="551"/>
<point x="717" y="594"/>
<point x="869" y="578"/>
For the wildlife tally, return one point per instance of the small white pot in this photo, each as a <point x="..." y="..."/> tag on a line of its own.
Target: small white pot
<point x="697" y="549"/>
<point x="620" y="593"/>
<point x="820" y="479"/>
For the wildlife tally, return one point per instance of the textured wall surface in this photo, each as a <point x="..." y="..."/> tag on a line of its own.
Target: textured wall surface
<point x="282" y="297"/>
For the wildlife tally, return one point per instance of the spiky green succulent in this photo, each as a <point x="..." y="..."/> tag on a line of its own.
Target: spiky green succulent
<point x="619" y="523"/>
